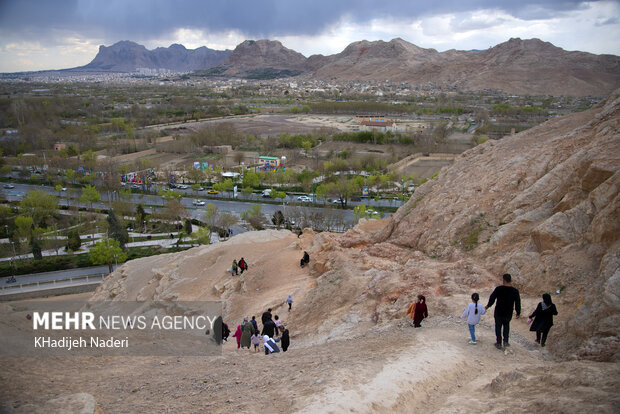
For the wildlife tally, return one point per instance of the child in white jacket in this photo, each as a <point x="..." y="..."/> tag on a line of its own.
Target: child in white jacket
<point x="473" y="312"/>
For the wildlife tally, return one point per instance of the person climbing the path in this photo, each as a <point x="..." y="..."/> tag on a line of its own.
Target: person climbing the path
<point x="270" y="329"/>
<point x="473" y="312"/>
<point x="266" y="316"/>
<point x="508" y="300"/>
<point x="285" y="340"/>
<point x="243" y="265"/>
<point x="289" y="300"/>
<point x="420" y="311"/>
<point x="255" y="340"/>
<point x="235" y="267"/>
<point x="270" y="345"/>
<point x="543" y="319"/>
<point x="254" y="323"/>
<point x="237" y="336"/>
<point x="246" y="332"/>
<point x="304" y="260"/>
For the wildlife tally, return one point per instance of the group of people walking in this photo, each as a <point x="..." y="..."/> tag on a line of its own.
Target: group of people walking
<point x="507" y="301"/>
<point x="236" y="266"/>
<point x="273" y="332"/>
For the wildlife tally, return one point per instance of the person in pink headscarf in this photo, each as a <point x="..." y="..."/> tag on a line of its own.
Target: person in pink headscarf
<point x="237" y="335"/>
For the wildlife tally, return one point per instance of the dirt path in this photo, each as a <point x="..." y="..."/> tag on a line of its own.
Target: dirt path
<point x="394" y="368"/>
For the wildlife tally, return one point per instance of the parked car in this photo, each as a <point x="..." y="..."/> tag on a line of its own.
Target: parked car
<point x="213" y="191"/>
<point x="304" y="199"/>
<point x="198" y="203"/>
<point x="9" y="186"/>
<point x="182" y="187"/>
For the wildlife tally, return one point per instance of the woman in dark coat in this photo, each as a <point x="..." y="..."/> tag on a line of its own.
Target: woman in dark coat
<point x="285" y="340"/>
<point x="543" y="319"/>
<point x="420" y="311"/>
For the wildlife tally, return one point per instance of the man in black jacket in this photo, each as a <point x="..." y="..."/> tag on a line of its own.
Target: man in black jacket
<point x="266" y="316"/>
<point x="270" y="329"/>
<point x="508" y="299"/>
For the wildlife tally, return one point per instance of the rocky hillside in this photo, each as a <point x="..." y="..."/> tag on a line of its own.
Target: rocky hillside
<point x="542" y="205"/>
<point x="261" y="59"/>
<point x="128" y="56"/>
<point x="516" y="66"/>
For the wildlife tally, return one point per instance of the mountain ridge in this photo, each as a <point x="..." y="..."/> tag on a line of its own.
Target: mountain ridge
<point x="522" y="66"/>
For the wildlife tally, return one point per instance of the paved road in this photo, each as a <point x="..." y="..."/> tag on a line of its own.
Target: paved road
<point x="235" y="206"/>
<point x="60" y="274"/>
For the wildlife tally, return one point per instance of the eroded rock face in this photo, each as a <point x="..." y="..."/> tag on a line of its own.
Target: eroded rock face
<point x="542" y="205"/>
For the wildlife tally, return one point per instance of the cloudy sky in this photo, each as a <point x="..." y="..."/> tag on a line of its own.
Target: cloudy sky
<point x="56" y="34"/>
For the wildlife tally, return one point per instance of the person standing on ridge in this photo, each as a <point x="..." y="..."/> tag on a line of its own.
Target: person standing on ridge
<point x="508" y="300"/>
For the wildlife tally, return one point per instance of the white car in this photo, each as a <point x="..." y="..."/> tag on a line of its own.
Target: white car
<point x="304" y="199"/>
<point x="198" y="203"/>
<point x="182" y="187"/>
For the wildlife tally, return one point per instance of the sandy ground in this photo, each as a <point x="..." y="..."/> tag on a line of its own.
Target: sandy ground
<point x="394" y="368"/>
<point x="387" y="368"/>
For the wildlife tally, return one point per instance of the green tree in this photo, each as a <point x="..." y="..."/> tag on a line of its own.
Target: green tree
<point x="210" y="216"/>
<point x="255" y="217"/>
<point x="187" y="226"/>
<point x="250" y="179"/>
<point x="202" y="235"/>
<point x="36" y="249"/>
<point x="73" y="240"/>
<point x="90" y="195"/>
<point x="23" y="227"/>
<point x="39" y="205"/>
<point x="360" y="212"/>
<point x="140" y="215"/>
<point x="107" y="251"/>
<point x="70" y="174"/>
<point x="195" y="175"/>
<point x="116" y="230"/>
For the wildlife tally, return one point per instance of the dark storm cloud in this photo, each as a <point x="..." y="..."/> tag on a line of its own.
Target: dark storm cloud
<point x="146" y="19"/>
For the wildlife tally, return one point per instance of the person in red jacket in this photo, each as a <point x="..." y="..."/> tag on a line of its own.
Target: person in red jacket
<point x="237" y="335"/>
<point x="418" y="311"/>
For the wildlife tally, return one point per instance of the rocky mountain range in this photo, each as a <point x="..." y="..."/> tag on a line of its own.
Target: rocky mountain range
<point x="517" y="66"/>
<point x="126" y="56"/>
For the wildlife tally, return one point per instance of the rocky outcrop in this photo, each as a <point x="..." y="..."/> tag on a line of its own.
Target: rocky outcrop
<point x="126" y="56"/>
<point x="261" y="59"/>
<point x="517" y="66"/>
<point x="543" y="205"/>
